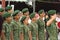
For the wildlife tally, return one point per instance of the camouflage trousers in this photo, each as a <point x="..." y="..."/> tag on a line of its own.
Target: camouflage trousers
<point x="41" y="35"/>
<point x="53" y="34"/>
<point x="8" y="36"/>
<point x="16" y="35"/>
<point x="34" y="38"/>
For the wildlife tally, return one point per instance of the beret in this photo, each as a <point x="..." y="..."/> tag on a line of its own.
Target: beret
<point x="16" y="12"/>
<point x="32" y="15"/>
<point x="51" y="12"/>
<point x="8" y="7"/>
<point x="6" y="14"/>
<point x="1" y="9"/>
<point x="25" y="10"/>
<point x="23" y="18"/>
<point x="40" y="11"/>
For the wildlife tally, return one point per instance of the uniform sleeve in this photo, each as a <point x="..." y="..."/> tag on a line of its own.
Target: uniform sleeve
<point x="4" y="27"/>
<point x="38" y="22"/>
<point x="12" y="26"/>
<point x="36" y="27"/>
<point x="30" y="27"/>
<point x="21" y="28"/>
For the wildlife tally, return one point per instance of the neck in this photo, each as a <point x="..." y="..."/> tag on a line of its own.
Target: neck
<point x="33" y="21"/>
<point x="7" y="22"/>
<point x="15" y="19"/>
<point x="41" y="17"/>
<point x="25" y="24"/>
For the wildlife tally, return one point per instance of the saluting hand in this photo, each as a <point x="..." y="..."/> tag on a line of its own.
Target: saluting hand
<point x="54" y="16"/>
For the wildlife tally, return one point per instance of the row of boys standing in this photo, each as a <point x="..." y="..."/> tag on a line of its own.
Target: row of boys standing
<point x="22" y="26"/>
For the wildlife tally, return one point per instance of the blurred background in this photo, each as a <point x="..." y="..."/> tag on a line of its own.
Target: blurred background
<point x="39" y="4"/>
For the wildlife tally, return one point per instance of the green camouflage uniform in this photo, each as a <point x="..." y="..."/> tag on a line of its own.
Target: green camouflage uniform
<point x="16" y="27"/>
<point x="26" y="30"/>
<point x="41" y="26"/>
<point x="34" y="30"/>
<point x="52" y="31"/>
<point x="7" y="30"/>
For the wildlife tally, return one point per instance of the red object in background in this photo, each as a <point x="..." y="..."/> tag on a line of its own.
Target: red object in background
<point x="59" y="24"/>
<point x="3" y="3"/>
<point x="37" y="16"/>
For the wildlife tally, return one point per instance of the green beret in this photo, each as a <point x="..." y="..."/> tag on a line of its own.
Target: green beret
<point x="40" y="11"/>
<point x="25" y="10"/>
<point x="16" y="12"/>
<point x="1" y="9"/>
<point x="5" y="15"/>
<point x="8" y="8"/>
<point x="51" y="12"/>
<point x="32" y="15"/>
<point x="23" y="18"/>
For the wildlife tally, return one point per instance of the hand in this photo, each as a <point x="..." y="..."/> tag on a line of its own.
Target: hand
<point x="54" y="16"/>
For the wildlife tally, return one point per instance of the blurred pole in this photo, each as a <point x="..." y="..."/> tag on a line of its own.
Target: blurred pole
<point x="8" y="2"/>
<point x="33" y="1"/>
<point x="29" y="2"/>
<point x="12" y="7"/>
<point x="0" y="5"/>
<point x="3" y="4"/>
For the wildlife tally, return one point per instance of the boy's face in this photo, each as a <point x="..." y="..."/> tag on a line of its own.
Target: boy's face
<point x="9" y="19"/>
<point x="10" y="11"/>
<point x="34" y="18"/>
<point x="27" y="13"/>
<point x="20" y="14"/>
<point x="1" y="13"/>
<point x="53" y="16"/>
<point x="17" y="16"/>
<point x="43" y="14"/>
<point x="26" y="21"/>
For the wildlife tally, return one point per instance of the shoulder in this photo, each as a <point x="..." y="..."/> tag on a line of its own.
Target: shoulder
<point x="13" y="22"/>
<point x="31" y="24"/>
<point x="4" y="23"/>
<point x="22" y="25"/>
<point x="38" y="21"/>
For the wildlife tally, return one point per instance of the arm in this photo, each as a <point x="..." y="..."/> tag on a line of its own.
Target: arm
<point x="11" y="35"/>
<point x="3" y="36"/>
<point x="51" y="20"/>
<point x="37" y="35"/>
<point x="30" y="35"/>
<point x="21" y="36"/>
<point x="3" y="33"/>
